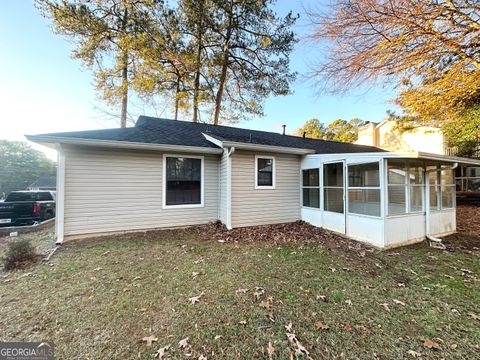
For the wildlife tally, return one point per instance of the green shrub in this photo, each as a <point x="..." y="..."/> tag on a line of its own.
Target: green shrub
<point x="19" y="254"/>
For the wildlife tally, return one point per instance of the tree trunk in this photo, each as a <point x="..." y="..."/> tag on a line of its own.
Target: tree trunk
<point x="221" y="86"/>
<point x="198" y="60"/>
<point x="123" y="115"/>
<point x="177" y="100"/>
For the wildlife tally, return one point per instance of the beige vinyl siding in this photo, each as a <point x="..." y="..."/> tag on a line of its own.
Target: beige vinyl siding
<point x="223" y="202"/>
<point x="117" y="190"/>
<point x="252" y="206"/>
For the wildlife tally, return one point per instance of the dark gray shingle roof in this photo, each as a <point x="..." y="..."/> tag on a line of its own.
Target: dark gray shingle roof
<point x="151" y="130"/>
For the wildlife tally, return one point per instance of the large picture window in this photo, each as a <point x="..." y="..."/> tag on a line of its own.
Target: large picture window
<point x="364" y="189"/>
<point x="264" y="172"/>
<point x="183" y="181"/>
<point x="311" y="188"/>
<point x="333" y="187"/>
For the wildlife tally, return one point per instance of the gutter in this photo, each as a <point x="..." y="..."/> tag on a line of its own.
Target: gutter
<point x="229" y="188"/>
<point x="434" y="241"/>
<point x="43" y="140"/>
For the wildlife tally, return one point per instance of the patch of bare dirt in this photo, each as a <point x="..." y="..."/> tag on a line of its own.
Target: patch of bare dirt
<point x="468" y="219"/>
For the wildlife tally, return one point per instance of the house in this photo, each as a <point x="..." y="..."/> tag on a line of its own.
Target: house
<point x="166" y="173"/>
<point x="388" y="136"/>
<point x="44" y="183"/>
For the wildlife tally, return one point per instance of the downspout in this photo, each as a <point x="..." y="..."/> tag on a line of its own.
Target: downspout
<point x="434" y="241"/>
<point x="60" y="196"/>
<point x="229" y="187"/>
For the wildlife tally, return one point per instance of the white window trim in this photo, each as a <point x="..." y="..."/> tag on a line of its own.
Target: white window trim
<point x="164" y="182"/>
<point x="310" y="187"/>
<point x="265" y="187"/>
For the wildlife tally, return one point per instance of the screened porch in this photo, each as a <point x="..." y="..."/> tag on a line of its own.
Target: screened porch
<point x="384" y="199"/>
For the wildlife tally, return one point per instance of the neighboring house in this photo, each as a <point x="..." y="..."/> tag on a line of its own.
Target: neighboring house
<point x="44" y="183"/>
<point x="165" y="173"/>
<point x="386" y="135"/>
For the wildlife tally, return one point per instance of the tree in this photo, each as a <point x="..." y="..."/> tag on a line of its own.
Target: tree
<point x="464" y="132"/>
<point x="431" y="47"/>
<point x="343" y="131"/>
<point x="312" y="129"/>
<point x="337" y="130"/>
<point x="21" y="165"/>
<point x="105" y="32"/>
<point x="250" y="49"/>
<point x="164" y="61"/>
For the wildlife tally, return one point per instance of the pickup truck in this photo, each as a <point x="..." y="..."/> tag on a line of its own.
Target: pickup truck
<point x="27" y="207"/>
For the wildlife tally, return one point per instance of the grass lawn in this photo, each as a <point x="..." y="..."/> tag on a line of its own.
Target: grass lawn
<point x="99" y="298"/>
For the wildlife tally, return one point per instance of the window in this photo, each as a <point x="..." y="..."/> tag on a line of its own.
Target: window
<point x="333" y="187"/>
<point x="311" y="188"/>
<point x="364" y="189"/>
<point x="264" y="172"/>
<point x="416" y="186"/>
<point x="447" y="189"/>
<point x="442" y="188"/>
<point x="397" y="187"/>
<point x="183" y="184"/>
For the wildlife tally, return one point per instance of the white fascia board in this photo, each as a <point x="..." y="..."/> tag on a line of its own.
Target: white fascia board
<point x="213" y="140"/>
<point x="267" y="148"/>
<point x="47" y="140"/>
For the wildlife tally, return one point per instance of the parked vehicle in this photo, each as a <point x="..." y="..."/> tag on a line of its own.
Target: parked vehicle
<point x="27" y="207"/>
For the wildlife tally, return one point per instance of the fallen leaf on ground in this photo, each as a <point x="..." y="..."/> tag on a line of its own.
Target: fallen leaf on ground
<point x="195" y="299"/>
<point x="348" y="302"/>
<point x="198" y="261"/>
<point x="270" y="350"/>
<point x="430" y="344"/>
<point x="270" y="316"/>
<point x="453" y="346"/>
<point x="398" y="302"/>
<point x="415" y="354"/>
<point x="202" y="357"/>
<point x="385" y="305"/>
<point x="149" y="339"/>
<point x="161" y="352"/>
<point x="321" y="326"/>
<point x="182" y="344"/>
<point x="195" y="274"/>
<point x="241" y="291"/>
<point x="258" y="293"/>
<point x="401" y="285"/>
<point x="243" y="322"/>
<point x="266" y="304"/>
<point x="322" y="297"/>
<point x="473" y="315"/>
<point x="289" y="328"/>
<point x="218" y="337"/>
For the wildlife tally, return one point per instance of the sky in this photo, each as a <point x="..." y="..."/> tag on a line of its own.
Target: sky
<point x="43" y="90"/>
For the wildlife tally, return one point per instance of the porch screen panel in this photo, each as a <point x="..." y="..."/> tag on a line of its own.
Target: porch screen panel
<point x="364" y="189"/>
<point x="311" y="188"/>
<point x="397" y="187"/>
<point x="333" y="187"/>
<point x="416" y="186"/>
<point x="447" y="189"/>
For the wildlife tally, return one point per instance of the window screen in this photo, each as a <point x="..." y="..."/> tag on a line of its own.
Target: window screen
<point x="264" y="172"/>
<point x="183" y="181"/>
<point x="364" y="189"/>
<point x="333" y="187"/>
<point x="311" y="188"/>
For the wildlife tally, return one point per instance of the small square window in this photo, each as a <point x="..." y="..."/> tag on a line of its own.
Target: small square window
<point x="264" y="172"/>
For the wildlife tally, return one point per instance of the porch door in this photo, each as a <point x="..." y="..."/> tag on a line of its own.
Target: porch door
<point x="334" y="196"/>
